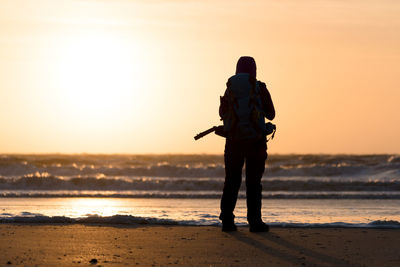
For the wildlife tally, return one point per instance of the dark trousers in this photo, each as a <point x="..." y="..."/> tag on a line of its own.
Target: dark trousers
<point x="254" y="154"/>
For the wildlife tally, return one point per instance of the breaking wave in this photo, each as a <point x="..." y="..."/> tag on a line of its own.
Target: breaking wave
<point x="134" y="221"/>
<point x="196" y="165"/>
<point x="197" y="176"/>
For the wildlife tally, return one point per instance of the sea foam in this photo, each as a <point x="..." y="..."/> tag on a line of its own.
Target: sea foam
<point x="134" y="221"/>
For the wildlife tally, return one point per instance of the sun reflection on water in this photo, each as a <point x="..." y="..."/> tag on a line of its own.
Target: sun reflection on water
<point x="82" y="207"/>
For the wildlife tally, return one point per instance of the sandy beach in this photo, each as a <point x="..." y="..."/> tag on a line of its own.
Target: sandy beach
<point x="118" y="245"/>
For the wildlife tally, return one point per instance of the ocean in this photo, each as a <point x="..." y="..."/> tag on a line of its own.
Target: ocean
<point x="298" y="190"/>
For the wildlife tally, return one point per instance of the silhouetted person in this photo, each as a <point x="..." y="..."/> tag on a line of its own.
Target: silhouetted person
<point x="243" y="108"/>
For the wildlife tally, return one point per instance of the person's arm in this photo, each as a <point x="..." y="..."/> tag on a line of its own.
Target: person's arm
<point x="223" y="106"/>
<point x="223" y="103"/>
<point x="266" y="101"/>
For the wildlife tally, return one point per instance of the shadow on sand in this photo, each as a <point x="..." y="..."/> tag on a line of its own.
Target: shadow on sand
<point x="276" y="246"/>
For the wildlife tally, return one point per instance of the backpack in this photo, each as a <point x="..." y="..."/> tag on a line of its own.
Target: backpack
<point x="242" y="111"/>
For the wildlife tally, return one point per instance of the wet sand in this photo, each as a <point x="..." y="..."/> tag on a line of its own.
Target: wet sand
<point x="118" y="245"/>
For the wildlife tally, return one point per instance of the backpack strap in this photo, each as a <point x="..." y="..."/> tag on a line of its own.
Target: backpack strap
<point x="255" y="101"/>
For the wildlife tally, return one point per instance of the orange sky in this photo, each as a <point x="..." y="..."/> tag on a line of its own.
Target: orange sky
<point x="145" y="76"/>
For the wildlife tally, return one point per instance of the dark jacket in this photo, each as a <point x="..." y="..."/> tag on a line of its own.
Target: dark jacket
<point x="266" y="101"/>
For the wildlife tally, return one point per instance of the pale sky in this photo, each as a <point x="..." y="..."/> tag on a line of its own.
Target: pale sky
<point x="127" y="76"/>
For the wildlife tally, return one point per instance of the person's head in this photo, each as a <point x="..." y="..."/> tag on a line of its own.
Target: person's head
<point x="246" y="65"/>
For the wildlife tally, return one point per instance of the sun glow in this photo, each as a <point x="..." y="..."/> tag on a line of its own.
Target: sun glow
<point x="98" y="78"/>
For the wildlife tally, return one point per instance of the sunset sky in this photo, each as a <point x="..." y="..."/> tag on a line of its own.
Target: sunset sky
<point x="128" y="76"/>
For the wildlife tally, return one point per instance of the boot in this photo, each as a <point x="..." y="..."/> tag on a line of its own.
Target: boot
<point x="228" y="226"/>
<point x="259" y="227"/>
